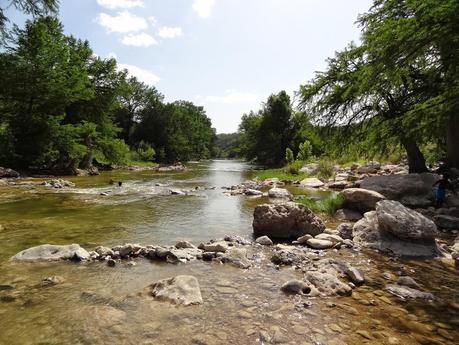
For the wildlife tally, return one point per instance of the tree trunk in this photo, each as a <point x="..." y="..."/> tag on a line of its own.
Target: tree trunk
<point x="86" y="162"/>
<point x="416" y="160"/>
<point x="452" y="141"/>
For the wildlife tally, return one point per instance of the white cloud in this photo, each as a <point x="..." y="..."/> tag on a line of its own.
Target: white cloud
<point x="233" y="97"/>
<point x="169" y="32"/>
<point x="141" y="74"/>
<point x="122" y="22"/>
<point x="112" y="4"/>
<point x="203" y="7"/>
<point x="141" y="40"/>
<point x="153" y="21"/>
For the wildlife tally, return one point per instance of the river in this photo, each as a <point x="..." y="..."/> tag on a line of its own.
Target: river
<point x="97" y="304"/>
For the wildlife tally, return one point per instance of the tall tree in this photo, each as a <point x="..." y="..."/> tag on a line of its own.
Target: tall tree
<point x="34" y="7"/>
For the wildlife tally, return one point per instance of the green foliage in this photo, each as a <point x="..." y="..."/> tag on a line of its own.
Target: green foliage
<point x="63" y="108"/>
<point x="289" y="156"/>
<point x="145" y="152"/>
<point x="227" y="146"/>
<point x="282" y="174"/>
<point x="34" y="7"/>
<point x="325" y="169"/>
<point x="293" y="168"/>
<point x="305" y="151"/>
<point x="328" y="205"/>
<point x="266" y="135"/>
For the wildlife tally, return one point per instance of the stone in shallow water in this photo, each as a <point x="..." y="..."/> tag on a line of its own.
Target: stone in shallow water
<point x="264" y="240"/>
<point x="406" y="292"/>
<point x="285" y="221"/>
<point x="49" y="252"/>
<point x="296" y="287"/>
<point x="319" y="244"/>
<point x="181" y="290"/>
<point x="328" y="284"/>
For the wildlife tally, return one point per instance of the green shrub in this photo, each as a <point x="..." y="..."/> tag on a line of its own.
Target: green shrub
<point x="289" y="156"/>
<point x="145" y="152"/>
<point x="293" y="168"/>
<point x="329" y="205"/>
<point x="305" y="152"/>
<point x="325" y="170"/>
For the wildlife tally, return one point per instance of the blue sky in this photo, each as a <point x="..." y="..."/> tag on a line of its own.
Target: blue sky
<point x="227" y="55"/>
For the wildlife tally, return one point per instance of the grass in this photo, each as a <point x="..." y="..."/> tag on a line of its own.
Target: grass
<point x="282" y="174"/>
<point x="328" y="205"/>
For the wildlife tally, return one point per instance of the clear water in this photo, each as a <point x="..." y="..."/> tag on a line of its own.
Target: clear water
<point x="101" y="305"/>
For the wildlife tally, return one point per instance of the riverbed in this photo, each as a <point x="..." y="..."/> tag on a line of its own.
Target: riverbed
<point x="97" y="304"/>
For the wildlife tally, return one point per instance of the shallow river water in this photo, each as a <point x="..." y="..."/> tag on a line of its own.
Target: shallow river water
<point x="97" y="304"/>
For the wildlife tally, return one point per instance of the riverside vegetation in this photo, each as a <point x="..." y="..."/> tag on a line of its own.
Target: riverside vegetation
<point x="338" y="242"/>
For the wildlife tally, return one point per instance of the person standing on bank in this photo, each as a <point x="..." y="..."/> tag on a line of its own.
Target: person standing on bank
<point x="443" y="184"/>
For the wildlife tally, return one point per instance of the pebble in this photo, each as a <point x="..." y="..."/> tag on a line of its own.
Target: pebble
<point x="334" y="327"/>
<point x="363" y="333"/>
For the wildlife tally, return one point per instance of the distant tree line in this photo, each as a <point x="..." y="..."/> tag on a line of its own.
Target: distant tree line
<point x="62" y="107"/>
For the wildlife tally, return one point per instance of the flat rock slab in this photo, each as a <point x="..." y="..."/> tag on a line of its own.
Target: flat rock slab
<point x="181" y="290"/>
<point x="50" y="252"/>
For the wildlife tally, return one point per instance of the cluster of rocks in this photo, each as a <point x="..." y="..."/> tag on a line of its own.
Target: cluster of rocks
<point x="226" y="250"/>
<point x="171" y="168"/>
<point x="350" y="176"/>
<point x="58" y="184"/>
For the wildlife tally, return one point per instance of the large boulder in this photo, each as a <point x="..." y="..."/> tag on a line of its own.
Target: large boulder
<point x="403" y="222"/>
<point x="279" y="193"/>
<point x="397" y="229"/>
<point x="286" y="221"/>
<point x="181" y="290"/>
<point x="414" y="190"/>
<point x="49" y="252"/>
<point x="8" y="173"/>
<point x="360" y="199"/>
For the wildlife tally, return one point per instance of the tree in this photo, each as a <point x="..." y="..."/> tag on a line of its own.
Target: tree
<point x="267" y="134"/>
<point x="402" y="33"/>
<point x="36" y="8"/>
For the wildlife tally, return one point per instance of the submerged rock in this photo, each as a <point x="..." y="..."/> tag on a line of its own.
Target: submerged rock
<point x="297" y="287"/>
<point x="49" y="252"/>
<point x="181" y="290"/>
<point x="285" y="221"/>
<point x="361" y="200"/>
<point x="327" y="284"/>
